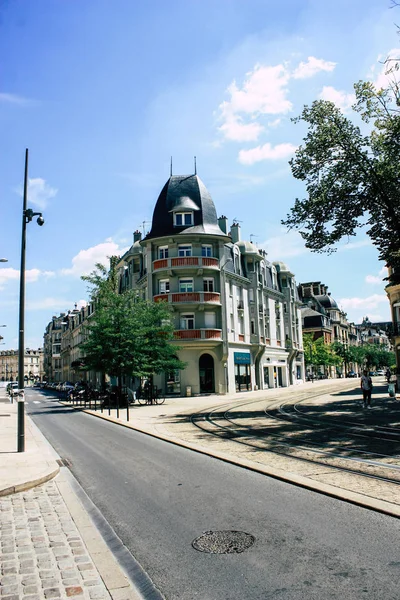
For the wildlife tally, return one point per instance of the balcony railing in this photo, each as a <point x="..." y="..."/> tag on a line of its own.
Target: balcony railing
<point x="198" y="334"/>
<point x="189" y="297"/>
<point x="185" y="261"/>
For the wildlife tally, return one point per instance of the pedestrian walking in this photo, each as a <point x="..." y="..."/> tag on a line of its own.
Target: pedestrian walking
<point x="366" y="386"/>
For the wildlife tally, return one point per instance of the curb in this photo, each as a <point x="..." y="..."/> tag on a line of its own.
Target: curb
<point x="326" y="489"/>
<point x="21" y="487"/>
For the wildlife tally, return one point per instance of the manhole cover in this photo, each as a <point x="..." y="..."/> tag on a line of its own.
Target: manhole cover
<point x="223" y="542"/>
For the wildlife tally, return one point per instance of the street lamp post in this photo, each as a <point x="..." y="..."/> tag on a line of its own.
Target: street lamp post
<point x="27" y="216"/>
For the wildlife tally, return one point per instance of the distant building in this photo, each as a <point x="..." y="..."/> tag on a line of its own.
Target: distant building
<point x="33" y="365"/>
<point x="322" y="317"/>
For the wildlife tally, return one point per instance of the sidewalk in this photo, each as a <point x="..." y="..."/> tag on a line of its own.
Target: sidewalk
<point x="49" y="545"/>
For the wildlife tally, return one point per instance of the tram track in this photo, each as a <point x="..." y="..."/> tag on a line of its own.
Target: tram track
<point x="227" y="421"/>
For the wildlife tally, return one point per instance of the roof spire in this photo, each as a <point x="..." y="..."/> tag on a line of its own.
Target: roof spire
<point x="170" y="171"/>
<point x="195" y="167"/>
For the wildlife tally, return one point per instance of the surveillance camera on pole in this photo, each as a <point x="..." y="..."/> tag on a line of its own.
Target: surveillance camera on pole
<point x="27" y="216"/>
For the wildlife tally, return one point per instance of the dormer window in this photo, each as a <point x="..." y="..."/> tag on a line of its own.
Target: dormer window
<point x="182" y="219"/>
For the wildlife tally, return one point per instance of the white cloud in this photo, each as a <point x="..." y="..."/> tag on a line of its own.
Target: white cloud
<point x="311" y="67"/>
<point x="370" y="302"/>
<point x="354" y="245"/>
<point x="266" y="152"/>
<point x="287" y="245"/>
<point x="377" y="279"/>
<point x="342" y="99"/>
<point x="54" y="304"/>
<point x="274" y="123"/>
<point x="31" y="275"/>
<point x="235" y="129"/>
<point x="14" y="99"/>
<point x="39" y="192"/>
<point x="263" y="92"/>
<point x="84" y="262"/>
<point x="385" y="77"/>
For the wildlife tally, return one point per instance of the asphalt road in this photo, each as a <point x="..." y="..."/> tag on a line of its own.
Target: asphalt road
<point x="159" y="497"/>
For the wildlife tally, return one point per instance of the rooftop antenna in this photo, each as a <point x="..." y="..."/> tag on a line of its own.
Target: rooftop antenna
<point x="143" y="225"/>
<point x="170" y="171"/>
<point x="195" y="166"/>
<point x="236" y="221"/>
<point x="252" y="235"/>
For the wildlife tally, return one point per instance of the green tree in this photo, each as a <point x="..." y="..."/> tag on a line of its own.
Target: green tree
<point x="317" y="353"/>
<point x="126" y="335"/>
<point x="351" y="177"/>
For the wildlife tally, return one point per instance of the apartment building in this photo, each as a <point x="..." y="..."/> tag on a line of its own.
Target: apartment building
<point x="236" y="315"/>
<point x="33" y="365"/>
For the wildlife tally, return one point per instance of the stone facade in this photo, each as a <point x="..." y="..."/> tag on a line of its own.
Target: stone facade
<point x="33" y="365"/>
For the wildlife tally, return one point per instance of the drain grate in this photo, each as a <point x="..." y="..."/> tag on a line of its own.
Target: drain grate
<point x="223" y="542"/>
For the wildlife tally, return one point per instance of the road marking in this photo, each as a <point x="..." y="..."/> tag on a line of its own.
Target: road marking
<point x="36" y="402"/>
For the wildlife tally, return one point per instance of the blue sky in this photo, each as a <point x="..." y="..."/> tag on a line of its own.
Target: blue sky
<point x="103" y="93"/>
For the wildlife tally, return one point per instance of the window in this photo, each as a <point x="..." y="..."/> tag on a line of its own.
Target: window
<point x="208" y="284"/>
<point x="206" y="250"/>
<point x="252" y="326"/>
<point x="187" y="321"/>
<point x="183" y="218"/>
<point x="210" y="320"/>
<point x="163" y="252"/>
<point x="163" y="286"/>
<point x="184" y="250"/>
<point x="186" y="285"/>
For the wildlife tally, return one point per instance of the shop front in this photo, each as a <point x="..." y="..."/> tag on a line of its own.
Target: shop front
<point x="242" y="362"/>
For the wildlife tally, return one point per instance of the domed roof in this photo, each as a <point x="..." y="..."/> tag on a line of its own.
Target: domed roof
<point x="136" y="248"/>
<point x="281" y="266"/>
<point x="247" y="247"/>
<point x="184" y="193"/>
<point x="327" y="301"/>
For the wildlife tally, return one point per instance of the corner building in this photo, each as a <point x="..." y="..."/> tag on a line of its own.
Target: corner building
<point x="236" y="316"/>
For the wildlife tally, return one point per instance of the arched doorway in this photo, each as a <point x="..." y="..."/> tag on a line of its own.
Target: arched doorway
<point x="206" y="372"/>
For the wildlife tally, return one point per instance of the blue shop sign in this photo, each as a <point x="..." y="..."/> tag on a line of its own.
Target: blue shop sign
<point x="241" y="358"/>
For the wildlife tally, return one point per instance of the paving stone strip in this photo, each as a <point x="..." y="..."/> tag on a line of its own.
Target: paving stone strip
<point x="42" y="553"/>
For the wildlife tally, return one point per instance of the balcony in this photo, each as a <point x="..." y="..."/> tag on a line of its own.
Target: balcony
<point x="198" y="334"/>
<point x="183" y="262"/>
<point x="189" y="298"/>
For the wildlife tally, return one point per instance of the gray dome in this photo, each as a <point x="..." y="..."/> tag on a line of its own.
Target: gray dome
<point x="184" y="193"/>
<point x="247" y="247"/>
<point x="136" y="248"/>
<point x="282" y="266"/>
<point x="327" y="301"/>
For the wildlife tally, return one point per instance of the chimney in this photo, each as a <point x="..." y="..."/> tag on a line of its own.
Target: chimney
<point x="223" y="223"/>
<point x="137" y="236"/>
<point x="235" y="232"/>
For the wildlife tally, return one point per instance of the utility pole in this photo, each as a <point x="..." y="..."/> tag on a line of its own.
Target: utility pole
<point x="27" y="215"/>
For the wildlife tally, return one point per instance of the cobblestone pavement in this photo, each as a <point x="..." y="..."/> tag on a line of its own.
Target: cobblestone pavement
<point x="42" y="553"/>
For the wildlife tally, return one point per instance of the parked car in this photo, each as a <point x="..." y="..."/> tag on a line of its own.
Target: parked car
<point x="13" y="385"/>
<point x="380" y="372"/>
<point x="351" y="374"/>
<point x="67" y="386"/>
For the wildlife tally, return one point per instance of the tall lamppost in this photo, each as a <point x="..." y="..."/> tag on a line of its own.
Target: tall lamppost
<point x="27" y="216"/>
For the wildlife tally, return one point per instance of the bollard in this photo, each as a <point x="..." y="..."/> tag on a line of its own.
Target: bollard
<point x="21" y="424"/>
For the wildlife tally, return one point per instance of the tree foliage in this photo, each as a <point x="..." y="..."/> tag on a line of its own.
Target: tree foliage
<point x="126" y="335"/>
<point x="351" y="175"/>
<point x="317" y="353"/>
